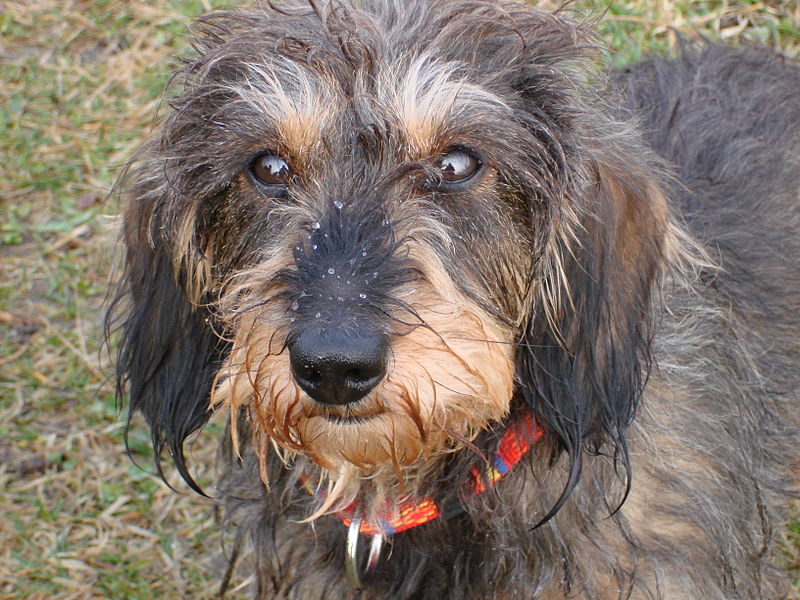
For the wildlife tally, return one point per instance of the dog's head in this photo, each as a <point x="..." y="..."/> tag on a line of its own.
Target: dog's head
<point x="376" y="233"/>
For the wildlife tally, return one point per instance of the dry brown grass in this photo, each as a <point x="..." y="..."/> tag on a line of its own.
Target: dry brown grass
<point x="80" y="83"/>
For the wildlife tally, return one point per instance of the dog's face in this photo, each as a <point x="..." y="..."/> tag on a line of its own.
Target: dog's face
<point x="362" y="315"/>
<point x="376" y="234"/>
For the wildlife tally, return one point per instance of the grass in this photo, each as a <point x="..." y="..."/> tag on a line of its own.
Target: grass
<point x="81" y="83"/>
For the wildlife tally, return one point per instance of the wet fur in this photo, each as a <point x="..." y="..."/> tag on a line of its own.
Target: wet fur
<point x="648" y="321"/>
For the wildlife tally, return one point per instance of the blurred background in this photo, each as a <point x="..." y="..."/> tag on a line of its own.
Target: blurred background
<point x="80" y="86"/>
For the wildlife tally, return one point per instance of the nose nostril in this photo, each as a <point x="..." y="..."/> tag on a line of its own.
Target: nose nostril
<point x="354" y="375"/>
<point x="307" y="373"/>
<point x="363" y="376"/>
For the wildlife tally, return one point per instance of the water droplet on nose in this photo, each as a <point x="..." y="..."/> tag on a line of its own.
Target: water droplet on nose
<point x="317" y="316"/>
<point x="362" y="296"/>
<point x="331" y="270"/>
<point x="364" y="253"/>
<point x="375" y="275"/>
<point x="295" y="305"/>
<point x="314" y="247"/>
<point x="315" y="225"/>
<point x="338" y="204"/>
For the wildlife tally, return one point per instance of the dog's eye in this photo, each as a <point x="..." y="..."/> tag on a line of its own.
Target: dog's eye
<point x="458" y="166"/>
<point x="271" y="169"/>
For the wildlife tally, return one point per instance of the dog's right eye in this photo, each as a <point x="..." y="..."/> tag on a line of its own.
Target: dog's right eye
<point x="271" y="169"/>
<point x="458" y="166"/>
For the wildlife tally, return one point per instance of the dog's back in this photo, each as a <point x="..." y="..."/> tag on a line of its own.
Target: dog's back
<point x="728" y="121"/>
<point x="727" y="350"/>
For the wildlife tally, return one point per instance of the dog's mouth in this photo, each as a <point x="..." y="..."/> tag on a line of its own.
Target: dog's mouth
<point x="357" y="413"/>
<point x="339" y="419"/>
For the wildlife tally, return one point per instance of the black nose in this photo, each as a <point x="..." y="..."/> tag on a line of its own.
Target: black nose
<point x="335" y="367"/>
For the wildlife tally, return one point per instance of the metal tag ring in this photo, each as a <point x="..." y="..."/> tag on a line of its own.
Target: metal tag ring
<point x="351" y="562"/>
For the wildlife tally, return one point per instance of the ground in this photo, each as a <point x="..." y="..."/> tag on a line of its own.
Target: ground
<point x="80" y="84"/>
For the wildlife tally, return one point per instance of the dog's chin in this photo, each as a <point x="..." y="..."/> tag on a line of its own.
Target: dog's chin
<point x="377" y="457"/>
<point x="371" y="442"/>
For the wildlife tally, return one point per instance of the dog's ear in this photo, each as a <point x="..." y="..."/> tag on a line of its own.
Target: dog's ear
<point x="169" y="352"/>
<point x="600" y="228"/>
<point x="586" y="350"/>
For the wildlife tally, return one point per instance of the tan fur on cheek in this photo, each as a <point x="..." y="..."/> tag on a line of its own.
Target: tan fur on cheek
<point x="459" y="380"/>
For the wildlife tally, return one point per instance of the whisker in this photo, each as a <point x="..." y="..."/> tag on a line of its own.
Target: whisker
<point x="503" y="342"/>
<point x="468" y="444"/>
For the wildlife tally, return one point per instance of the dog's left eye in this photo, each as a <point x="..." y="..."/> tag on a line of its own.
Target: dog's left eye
<point x="271" y="169"/>
<point x="458" y="166"/>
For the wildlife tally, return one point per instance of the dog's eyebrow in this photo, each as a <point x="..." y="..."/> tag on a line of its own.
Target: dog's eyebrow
<point x="289" y="98"/>
<point x="429" y="97"/>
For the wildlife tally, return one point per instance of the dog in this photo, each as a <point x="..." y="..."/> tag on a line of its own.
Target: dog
<point x="488" y="322"/>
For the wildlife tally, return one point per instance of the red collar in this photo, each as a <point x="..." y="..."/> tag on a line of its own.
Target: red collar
<point x="515" y="443"/>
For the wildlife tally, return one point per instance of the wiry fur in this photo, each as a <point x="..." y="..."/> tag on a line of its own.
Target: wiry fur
<point x="659" y="359"/>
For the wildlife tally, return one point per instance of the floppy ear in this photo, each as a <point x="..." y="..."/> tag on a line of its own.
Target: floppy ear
<point x="586" y="351"/>
<point x="600" y="231"/>
<point x="169" y="352"/>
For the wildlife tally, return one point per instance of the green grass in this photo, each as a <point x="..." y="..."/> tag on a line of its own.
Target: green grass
<point x="81" y="81"/>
